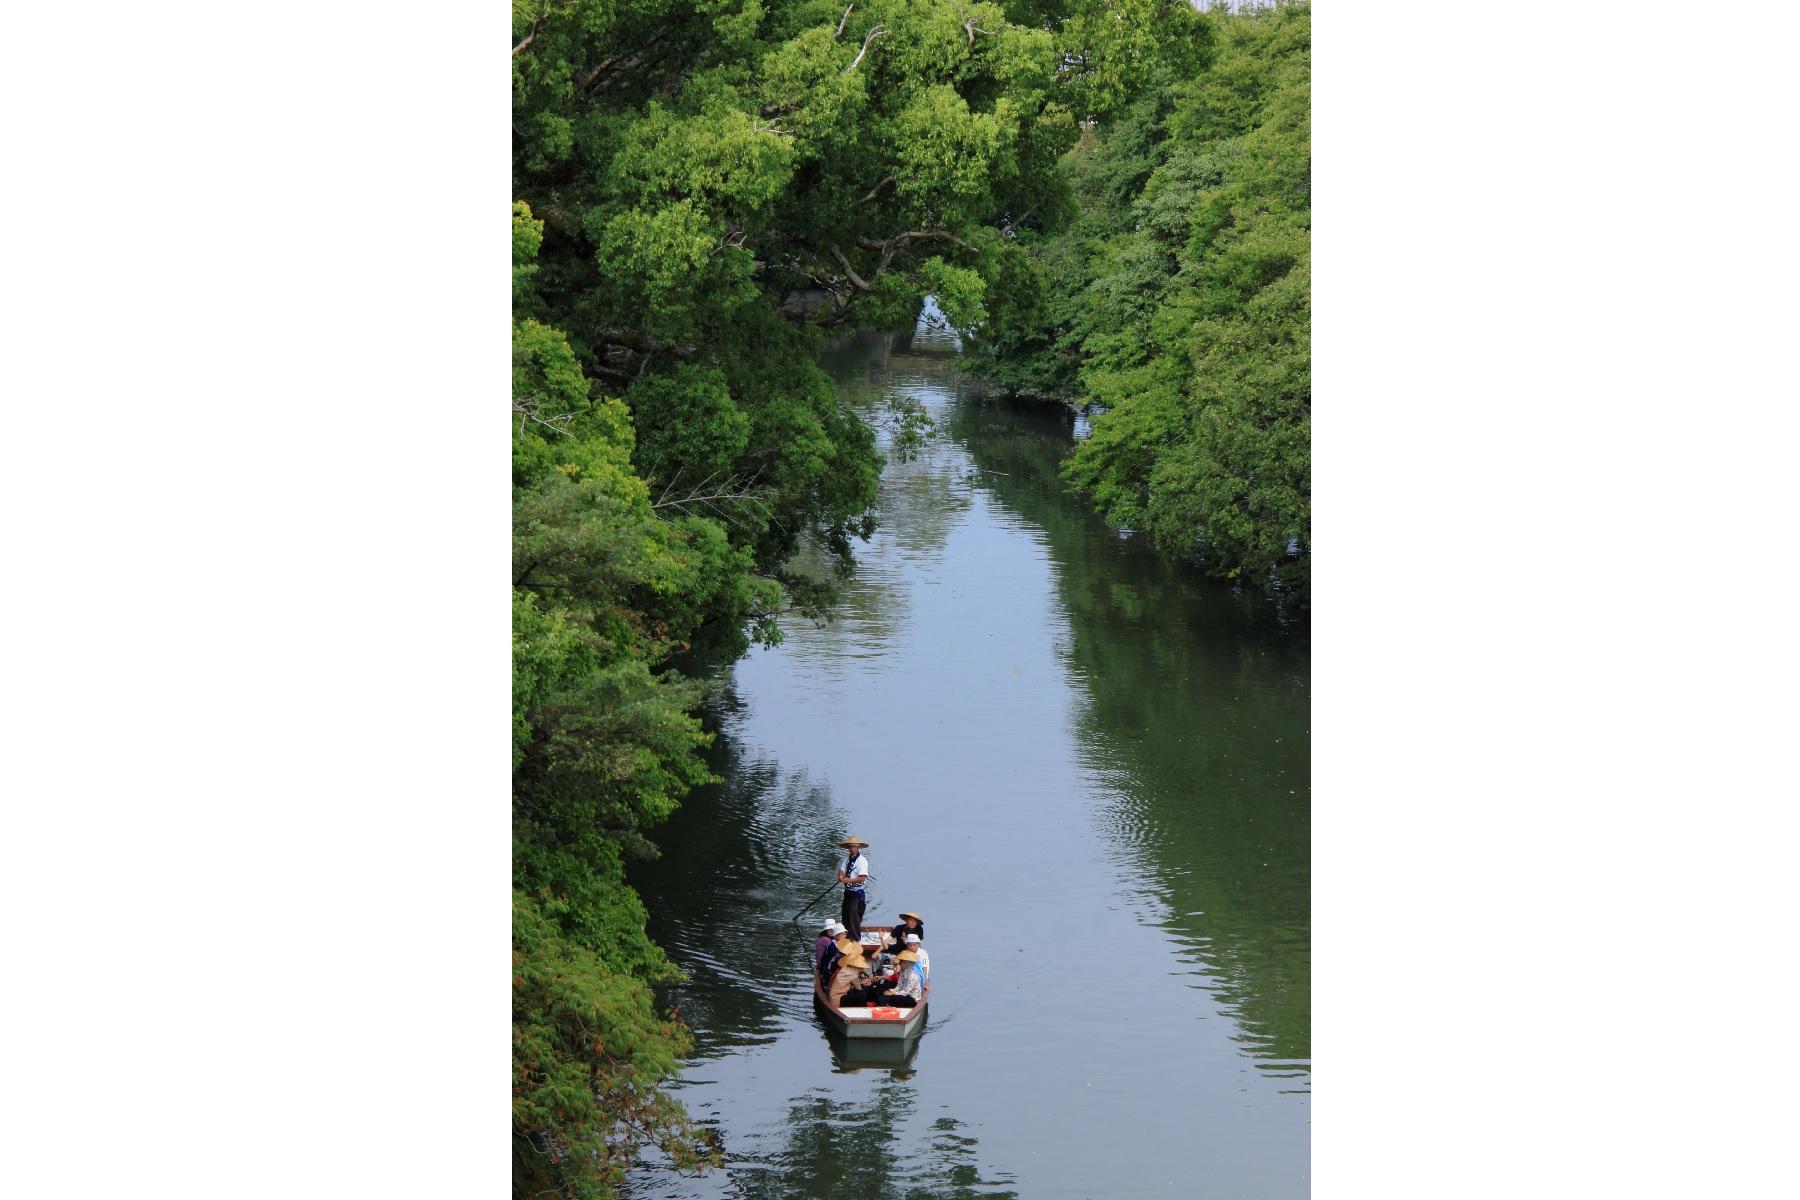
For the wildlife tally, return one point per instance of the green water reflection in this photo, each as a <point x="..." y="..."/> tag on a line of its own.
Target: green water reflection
<point x="1199" y="694"/>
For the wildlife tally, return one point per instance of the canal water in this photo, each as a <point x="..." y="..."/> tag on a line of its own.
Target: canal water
<point x="1086" y="768"/>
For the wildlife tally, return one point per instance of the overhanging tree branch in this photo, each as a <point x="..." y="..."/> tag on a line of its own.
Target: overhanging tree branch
<point x="860" y="283"/>
<point x="900" y="241"/>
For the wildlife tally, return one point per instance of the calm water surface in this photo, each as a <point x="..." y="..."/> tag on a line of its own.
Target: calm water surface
<point x="1086" y="769"/>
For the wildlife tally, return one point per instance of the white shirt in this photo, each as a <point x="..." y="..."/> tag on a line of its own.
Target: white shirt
<point x="858" y="867"/>
<point x="924" y="960"/>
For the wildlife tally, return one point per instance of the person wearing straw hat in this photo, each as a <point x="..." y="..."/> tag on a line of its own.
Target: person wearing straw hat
<point x="853" y="875"/>
<point x="842" y="949"/>
<point x="909" y="989"/>
<point x="911" y="942"/>
<point x="851" y="971"/>
<point x="910" y="922"/>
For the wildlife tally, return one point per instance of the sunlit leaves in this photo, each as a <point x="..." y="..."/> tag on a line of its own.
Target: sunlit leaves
<point x="959" y="291"/>
<point x="948" y="156"/>
<point x="721" y="158"/>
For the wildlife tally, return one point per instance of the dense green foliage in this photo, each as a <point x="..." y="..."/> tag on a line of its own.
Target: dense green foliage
<point x="704" y="187"/>
<point x="603" y="745"/>
<point x="1178" y="304"/>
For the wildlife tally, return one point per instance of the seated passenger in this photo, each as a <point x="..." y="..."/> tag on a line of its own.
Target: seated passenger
<point x="869" y="989"/>
<point x="840" y="950"/>
<point x="909" y="923"/>
<point x="910" y="988"/>
<point x="917" y="947"/>
<point x="825" y="949"/>
<point x="853" y="968"/>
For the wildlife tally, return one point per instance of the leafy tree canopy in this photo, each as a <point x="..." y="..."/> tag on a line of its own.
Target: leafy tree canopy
<point x="1177" y="304"/>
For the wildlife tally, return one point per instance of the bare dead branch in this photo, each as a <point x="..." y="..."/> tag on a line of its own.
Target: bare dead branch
<point x="738" y="497"/>
<point x="678" y="470"/>
<point x="532" y="36"/>
<point x="874" y="33"/>
<point x="587" y="79"/>
<point x="844" y="20"/>
<point x="1013" y="223"/>
<point x="732" y="239"/>
<point x="877" y="190"/>
<point x="530" y="408"/>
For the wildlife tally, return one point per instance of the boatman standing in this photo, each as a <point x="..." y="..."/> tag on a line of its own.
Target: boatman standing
<point x="853" y="875"/>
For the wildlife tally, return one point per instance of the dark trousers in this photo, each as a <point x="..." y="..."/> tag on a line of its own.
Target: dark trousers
<point x="858" y="997"/>
<point x="853" y="913"/>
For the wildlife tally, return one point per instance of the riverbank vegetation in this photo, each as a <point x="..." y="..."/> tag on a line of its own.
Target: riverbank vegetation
<point x="1176" y="303"/>
<point x="704" y="190"/>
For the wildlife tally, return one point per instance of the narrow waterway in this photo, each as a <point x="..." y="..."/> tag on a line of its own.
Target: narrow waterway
<point x="1086" y="769"/>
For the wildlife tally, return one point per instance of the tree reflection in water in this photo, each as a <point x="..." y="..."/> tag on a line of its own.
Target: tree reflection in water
<point x="838" y="1149"/>
<point x="1196" y="693"/>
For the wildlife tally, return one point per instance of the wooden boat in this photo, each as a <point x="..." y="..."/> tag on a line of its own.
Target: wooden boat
<point x="863" y="1022"/>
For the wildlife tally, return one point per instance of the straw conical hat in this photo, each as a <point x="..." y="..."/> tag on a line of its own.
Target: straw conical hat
<point x="853" y="840"/>
<point x="908" y="956"/>
<point x="856" y="962"/>
<point x="914" y="916"/>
